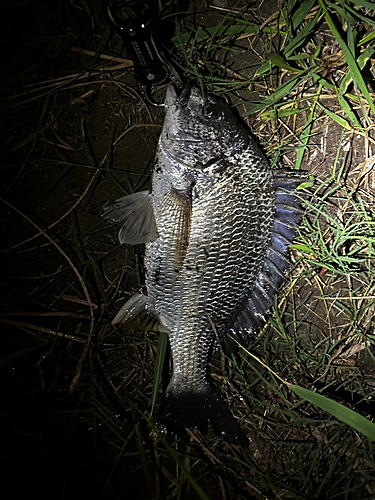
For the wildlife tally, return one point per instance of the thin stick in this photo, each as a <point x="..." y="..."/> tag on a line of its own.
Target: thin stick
<point x="77" y="374"/>
<point x="41" y="329"/>
<point x="92" y="53"/>
<point x="57" y="221"/>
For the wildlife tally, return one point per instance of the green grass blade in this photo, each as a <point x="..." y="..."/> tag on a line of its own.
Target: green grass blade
<point x="186" y="473"/>
<point x="302" y="248"/>
<point x="341" y="412"/>
<point x="304" y="138"/>
<point x="343" y="12"/>
<point x="319" y="79"/>
<point x="202" y="34"/>
<point x="338" y="119"/>
<point x="302" y="35"/>
<point x="365" y="19"/>
<point x="301" y="13"/>
<point x="353" y="66"/>
<point x="362" y="60"/>
<point x="174" y="454"/>
<point x="279" y="61"/>
<point x="281" y="92"/>
<point x="367" y="38"/>
<point x="160" y="356"/>
<point x="363" y="3"/>
<point x="348" y="111"/>
<point x="266" y="67"/>
<point x="272" y="114"/>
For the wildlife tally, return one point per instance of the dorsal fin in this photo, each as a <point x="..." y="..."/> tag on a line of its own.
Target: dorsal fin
<point x="255" y="309"/>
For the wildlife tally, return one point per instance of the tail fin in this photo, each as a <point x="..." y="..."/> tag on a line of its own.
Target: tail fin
<point x="192" y="408"/>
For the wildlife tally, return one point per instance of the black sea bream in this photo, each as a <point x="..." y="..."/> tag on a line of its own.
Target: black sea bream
<point x="217" y="225"/>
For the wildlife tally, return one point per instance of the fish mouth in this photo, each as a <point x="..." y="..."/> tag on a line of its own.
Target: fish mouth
<point x="173" y="99"/>
<point x="183" y="98"/>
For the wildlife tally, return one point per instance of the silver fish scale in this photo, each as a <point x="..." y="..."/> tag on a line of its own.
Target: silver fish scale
<point x="231" y="219"/>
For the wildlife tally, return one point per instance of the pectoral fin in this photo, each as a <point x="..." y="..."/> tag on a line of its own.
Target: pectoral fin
<point x="136" y="215"/>
<point x="179" y="207"/>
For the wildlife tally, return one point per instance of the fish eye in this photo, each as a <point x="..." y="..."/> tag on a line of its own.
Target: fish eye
<point x="209" y="111"/>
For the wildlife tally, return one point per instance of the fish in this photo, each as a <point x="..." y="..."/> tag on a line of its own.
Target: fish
<point x="217" y="224"/>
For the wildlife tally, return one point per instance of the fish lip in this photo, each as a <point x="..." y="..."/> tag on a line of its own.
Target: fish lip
<point x="173" y="99"/>
<point x="171" y="96"/>
<point x="184" y="97"/>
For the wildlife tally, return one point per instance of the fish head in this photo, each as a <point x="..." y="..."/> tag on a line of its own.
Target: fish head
<point x="200" y="128"/>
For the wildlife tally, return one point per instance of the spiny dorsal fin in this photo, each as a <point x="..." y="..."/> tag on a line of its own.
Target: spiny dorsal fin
<point x="255" y="309"/>
<point x="136" y="215"/>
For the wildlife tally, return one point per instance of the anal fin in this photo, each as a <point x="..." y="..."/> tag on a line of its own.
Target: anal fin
<point x="138" y="313"/>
